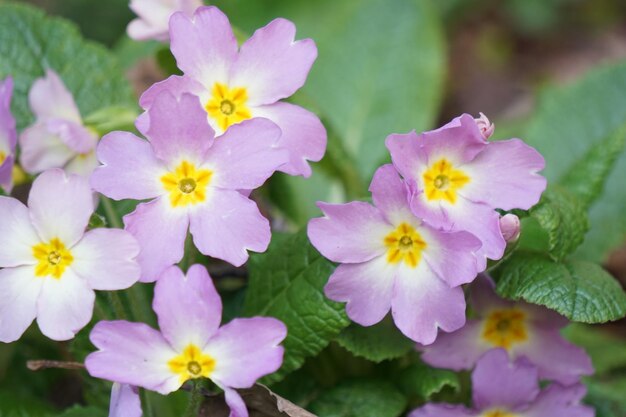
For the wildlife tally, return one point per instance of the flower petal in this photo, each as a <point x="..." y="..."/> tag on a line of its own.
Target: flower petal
<point x="443" y="410"/>
<point x="451" y="255"/>
<point x="65" y="306"/>
<point x="105" y="258"/>
<point x="50" y="99"/>
<point x="188" y="307"/>
<point x="6" y="174"/>
<point x="204" y="45"/>
<point x="303" y="135"/>
<point x="235" y="403"/>
<point x="271" y="64"/>
<point x="390" y="194"/>
<point x="505" y="175"/>
<point x="161" y="246"/>
<point x="42" y="150"/>
<point x="483" y="297"/>
<point x="236" y="220"/>
<point x="366" y="287"/>
<point x="245" y="350"/>
<point x="17" y="235"/>
<point x="557" y="359"/>
<point x="176" y="85"/>
<point x="19" y="291"/>
<point x="179" y="128"/>
<point x="60" y="206"/>
<point x="559" y="401"/>
<point x="246" y="155"/>
<point x="125" y="401"/>
<point x="7" y="121"/>
<point x="352" y="232"/>
<point x="129" y="170"/>
<point x="132" y="353"/>
<point x="422" y="303"/>
<point x="498" y="382"/>
<point x="457" y="350"/>
<point x="74" y="135"/>
<point x="82" y="164"/>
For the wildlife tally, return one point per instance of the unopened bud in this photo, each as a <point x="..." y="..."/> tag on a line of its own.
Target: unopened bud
<point x="485" y="126"/>
<point x="510" y="227"/>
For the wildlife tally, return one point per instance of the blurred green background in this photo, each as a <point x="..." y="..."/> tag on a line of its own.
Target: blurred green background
<point x="550" y="71"/>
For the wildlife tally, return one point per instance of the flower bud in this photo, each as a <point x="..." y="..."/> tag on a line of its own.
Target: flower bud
<point x="485" y="126"/>
<point x="510" y="227"/>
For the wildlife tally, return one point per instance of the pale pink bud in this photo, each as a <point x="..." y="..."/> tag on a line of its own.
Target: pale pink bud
<point x="510" y="227"/>
<point x="485" y="126"/>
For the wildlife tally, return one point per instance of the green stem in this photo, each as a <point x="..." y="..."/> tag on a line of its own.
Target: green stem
<point x="117" y="304"/>
<point x="194" y="401"/>
<point x="147" y="404"/>
<point x="111" y="215"/>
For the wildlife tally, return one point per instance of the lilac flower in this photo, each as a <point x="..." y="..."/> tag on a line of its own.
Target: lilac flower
<point x="504" y="389"/>
<point x="8" y="135"/>
<point x="125" y="401"/>
<point x="58" y="139"/>
<point x="190" y="345"/>
<point x="510" y="227"/>
<point x="457" y="179"/>
<point x="192" y="181"/>
<point x="391" y="259"/>
<point x="522" y="329"/>
<point x="154" y="16"/>
<point x="50" y="265"/>
<point x="235" y="84"/>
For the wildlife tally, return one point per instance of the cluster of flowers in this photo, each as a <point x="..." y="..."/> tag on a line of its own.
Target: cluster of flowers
<point x="213" y="135"/>
<point x="432" y="226"/>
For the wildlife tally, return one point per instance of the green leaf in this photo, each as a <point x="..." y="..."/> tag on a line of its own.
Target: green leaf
<point x="367" y="79"/>
<point x="30" y="42"/>
<point x="360" y="398"/>
<point x="587" y="177"/>
<point x="376" y="343"/>
<point x="607" y="396"/>
<point x="563" y="216"/>
<point x="581" y="291"/>
<point x="287" y="282"/>
<point x="80" y="411"/>
<point x="569" y="123"/>
<point x="423" y="381"/>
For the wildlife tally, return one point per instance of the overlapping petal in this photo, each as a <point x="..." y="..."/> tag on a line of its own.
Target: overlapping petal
<point x="457" y="350"/>
<point x="352" y="232"/>
<point x="246" y="155"/>
<point x="125" y="401"/>
<point x="64" y="306"/>
<point x="132" y="353"/>
<point x="42" y="149"/>
<point x="559" y="401"/>
<point x="149" y="223"/>
<point x="105" y="259"/>
<point x="188" y="307"/>
<point x="390" y="194"/>
<point x="246" y="349"/>
<point x="366" y="288"/>
<point x="129" y="170"/>
<point x="50" y="99"/>
<point x="19" y="292"/>
<point x="60" y="206"/>
<point x="443" y="410"/>
<point x="303" y="135"/>
<point x="271" y="64"/>
<point x="236" y="220"/>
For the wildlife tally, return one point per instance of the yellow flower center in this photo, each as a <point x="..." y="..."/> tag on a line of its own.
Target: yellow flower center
<point x="186" y="184"/>
<point x="504" y="328"/>
<point x="227" y="106"/>
<point x="442" y="181"/>
<point x="404" y="244"/>
<point x="191" y="364"/>
<point x="53" y="258"/>
<point x="3" y="157"/>
<point x="497" y="413"/>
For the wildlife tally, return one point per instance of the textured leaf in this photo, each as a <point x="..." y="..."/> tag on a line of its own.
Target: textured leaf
<point x="360" y="398"/>
<point x="587" y="177"/>
<point x="369" y="78"/>
<point x="287" y="282"/>
<point x="569" y="123"/>
<point x="423" y="381"/>
<point x="563" y="216"/>
<point x="580" y="290"/>
<point x="30" y="42"/>
<point x="376" y="343"/>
